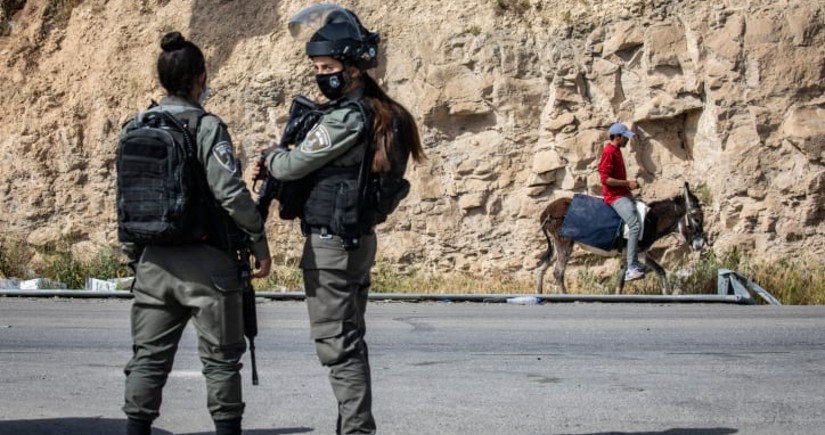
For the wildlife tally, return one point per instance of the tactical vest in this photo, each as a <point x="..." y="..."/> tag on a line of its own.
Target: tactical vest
<point x="349" y="201"/>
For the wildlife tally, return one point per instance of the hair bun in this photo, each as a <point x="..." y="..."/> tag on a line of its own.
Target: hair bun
<point x="172" y="41"/>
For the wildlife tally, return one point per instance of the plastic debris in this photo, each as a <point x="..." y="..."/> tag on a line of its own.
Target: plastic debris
<point x="42" y="284"/>
<point x="109" y="285"/>
<point x="524" y="300"/>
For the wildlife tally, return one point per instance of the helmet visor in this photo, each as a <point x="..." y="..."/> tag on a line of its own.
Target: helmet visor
<point x="304" y="24"/>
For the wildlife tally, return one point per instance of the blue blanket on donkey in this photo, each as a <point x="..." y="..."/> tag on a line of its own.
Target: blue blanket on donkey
<point x="592" y="222"/>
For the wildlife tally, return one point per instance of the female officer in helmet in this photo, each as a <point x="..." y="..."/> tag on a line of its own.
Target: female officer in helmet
<point x="361" y="134"/>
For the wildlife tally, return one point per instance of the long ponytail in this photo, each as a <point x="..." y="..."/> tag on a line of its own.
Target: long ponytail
<point x="390" y="119"/>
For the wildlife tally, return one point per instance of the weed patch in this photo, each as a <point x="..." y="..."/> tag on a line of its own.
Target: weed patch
<point x="63" y="266"/>
<point x="286" y="276"/>
<point x="59" y="263"/>
<point x="792" y="281"/>
<point x="14" y="258"/>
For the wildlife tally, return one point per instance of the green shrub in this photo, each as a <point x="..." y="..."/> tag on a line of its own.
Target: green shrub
<point x="62" y="266"/>
<point x="14" y="258"/>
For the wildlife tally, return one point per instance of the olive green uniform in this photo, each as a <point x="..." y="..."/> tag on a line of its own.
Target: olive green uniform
<point x="197" y="281"/>
<point x="336" y="280"/>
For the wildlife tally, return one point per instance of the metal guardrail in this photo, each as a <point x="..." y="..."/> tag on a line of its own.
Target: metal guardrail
<point x="730" y="282"/>
<point x="403" y="297"/>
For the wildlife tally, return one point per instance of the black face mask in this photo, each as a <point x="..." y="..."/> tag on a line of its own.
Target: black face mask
<point x="333" y="85"/>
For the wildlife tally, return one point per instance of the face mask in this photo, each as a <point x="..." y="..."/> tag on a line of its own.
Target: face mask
<point x="205" y="93"/>
<point x="333" y="85"/>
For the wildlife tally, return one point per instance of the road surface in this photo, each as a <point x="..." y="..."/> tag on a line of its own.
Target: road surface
<point x="446" y="368"/>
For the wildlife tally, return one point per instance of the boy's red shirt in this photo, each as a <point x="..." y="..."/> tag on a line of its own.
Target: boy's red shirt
<point x="612" y="166"/>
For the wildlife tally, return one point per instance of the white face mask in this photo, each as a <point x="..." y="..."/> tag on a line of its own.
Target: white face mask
<point x="205" y="94"/>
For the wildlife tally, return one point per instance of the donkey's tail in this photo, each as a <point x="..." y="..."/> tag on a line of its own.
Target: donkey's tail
<point x="548" y="254"/>
<point x="544" y="261"/>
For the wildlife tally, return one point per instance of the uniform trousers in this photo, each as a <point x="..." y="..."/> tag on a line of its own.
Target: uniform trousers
<point x="173" y="285"/>
<point x="337" y="283"/>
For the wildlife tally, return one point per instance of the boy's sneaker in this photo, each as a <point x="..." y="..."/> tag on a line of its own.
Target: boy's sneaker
<point x="634" y="271"/>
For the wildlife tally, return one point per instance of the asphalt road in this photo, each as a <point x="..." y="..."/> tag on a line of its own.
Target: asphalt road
<point x="442" y="368"/>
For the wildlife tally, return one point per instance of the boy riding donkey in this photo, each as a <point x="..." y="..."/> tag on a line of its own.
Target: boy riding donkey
<point x="616" y="189"/>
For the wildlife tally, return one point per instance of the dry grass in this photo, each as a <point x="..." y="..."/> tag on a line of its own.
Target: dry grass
<point x="14" y="258"/>
<point x="800" y="282"/>
<point x="792" y="281"/>
<point x="386" y="278"/>
<point x="283" y="277"/>
<point x="58" y="263"/>
<point x="797" y="282"/>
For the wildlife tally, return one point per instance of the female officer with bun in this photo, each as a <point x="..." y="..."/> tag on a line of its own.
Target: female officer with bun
<point x="198" y="279"/>
<point x="351" y="165"/>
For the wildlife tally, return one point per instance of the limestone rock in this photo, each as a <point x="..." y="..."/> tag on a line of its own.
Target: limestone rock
<point x="472" y="200"/>
<point x="624" y="35"/>
<point x="546" y="161"/>
<point x="512" y="109"/>
<point x="665" y="45"/>
<point x="583" y="149"/>
<point x="804" y="127"/>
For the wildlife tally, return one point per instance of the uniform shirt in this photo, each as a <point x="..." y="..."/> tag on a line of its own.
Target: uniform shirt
<point x="223" y="174"/>
<point x="336" y="139"/>
<point x="612" y="166"/>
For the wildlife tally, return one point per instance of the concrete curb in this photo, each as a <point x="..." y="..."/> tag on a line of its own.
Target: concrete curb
<point x="399" y="297"/>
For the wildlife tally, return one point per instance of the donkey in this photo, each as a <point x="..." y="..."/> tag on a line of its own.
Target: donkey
<point x="682" y="214"/>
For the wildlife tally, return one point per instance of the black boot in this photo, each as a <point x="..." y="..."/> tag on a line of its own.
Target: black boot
<point x="228" y="427"/>
<point x="138" y="427"/>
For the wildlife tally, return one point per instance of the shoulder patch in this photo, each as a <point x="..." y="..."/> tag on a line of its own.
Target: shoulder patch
<point x="317" y="140"/>
<point x="224" y="155"/>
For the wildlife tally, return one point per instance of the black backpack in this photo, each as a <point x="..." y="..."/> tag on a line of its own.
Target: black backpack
<point x="159" y="179"/>
<point x="384" y="191"/>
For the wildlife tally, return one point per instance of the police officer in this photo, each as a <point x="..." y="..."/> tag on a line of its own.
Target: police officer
<point x="198" y="281"/>
<point x="360" y="128"/>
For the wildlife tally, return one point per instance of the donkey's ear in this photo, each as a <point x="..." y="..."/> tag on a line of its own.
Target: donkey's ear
<point x="687" y="188"/>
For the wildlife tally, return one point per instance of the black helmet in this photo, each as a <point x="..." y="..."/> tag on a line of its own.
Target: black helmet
<point x="338" y="33"/>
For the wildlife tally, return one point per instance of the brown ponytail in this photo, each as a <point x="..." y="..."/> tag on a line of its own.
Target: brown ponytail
<point x="390" y="119"/>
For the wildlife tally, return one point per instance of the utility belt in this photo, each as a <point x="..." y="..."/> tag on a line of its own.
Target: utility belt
<point x="348" y="242"/>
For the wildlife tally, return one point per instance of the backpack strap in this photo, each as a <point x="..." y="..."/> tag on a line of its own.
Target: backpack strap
<point x="192" y="120"/>
<point x="187" y="121"/>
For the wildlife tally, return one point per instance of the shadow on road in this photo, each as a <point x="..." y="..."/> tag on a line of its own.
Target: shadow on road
<point x="283" y="431"/>
<point x="107" y="426"/>
<point x="675" y="431"/>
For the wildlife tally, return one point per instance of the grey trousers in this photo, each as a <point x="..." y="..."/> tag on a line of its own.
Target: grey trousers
<point x="337" y="284"/>
<point x="626" y="208"/>
<point x="175" y="284"/>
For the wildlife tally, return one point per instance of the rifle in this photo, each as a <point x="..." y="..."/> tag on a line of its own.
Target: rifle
<point x="303" y="115"/>
<point x="250" y="315"/>
<point x="296" y="128"/>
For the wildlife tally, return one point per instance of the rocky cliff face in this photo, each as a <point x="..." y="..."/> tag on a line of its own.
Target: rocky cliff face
<point x="513" y="99"/>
